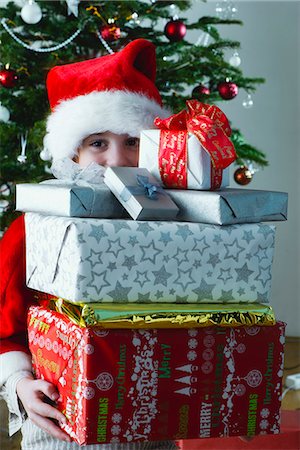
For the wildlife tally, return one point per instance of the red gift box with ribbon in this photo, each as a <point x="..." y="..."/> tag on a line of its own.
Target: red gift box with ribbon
<point x="210" y="127"/>
<point x="134" y="385"/>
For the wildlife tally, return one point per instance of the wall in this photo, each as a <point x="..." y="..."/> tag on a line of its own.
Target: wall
<point x="270" y="47"/>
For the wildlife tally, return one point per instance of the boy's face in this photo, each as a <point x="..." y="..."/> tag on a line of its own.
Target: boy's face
<point x="109" y="150"/>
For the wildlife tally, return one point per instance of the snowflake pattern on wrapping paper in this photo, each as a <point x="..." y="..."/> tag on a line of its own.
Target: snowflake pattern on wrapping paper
<point x="252" y="331"/>
<point x="193" y="332"/>
<point x="207" y="367"/>
<point x="208" y="354"/>
<point x="265" y="412"/>
<point x="192" y="343"/>
<point x="88" y="393"/>
<point x="115" y="439"/>
<point x="192" y="355"/>
<point x="115" y="429"/>
<point x="116" y="418"/>
<point x="264" y="424"/>
<point x="89" y="349"/>
<point x="209" y="340"/>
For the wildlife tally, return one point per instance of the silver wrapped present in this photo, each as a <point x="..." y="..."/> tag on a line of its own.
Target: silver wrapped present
<point x="102" y="260"/>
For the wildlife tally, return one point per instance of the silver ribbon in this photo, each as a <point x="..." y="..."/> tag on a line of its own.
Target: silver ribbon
<point x="70" y="172"/>
<point x="145" y="188"/>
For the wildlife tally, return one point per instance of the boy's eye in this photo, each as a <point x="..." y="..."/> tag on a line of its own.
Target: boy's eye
<point x="132" y="142"/>
<point x="98" y="143"/>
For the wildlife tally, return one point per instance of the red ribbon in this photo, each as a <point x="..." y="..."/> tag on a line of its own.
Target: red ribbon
<point x="210" y="125"/>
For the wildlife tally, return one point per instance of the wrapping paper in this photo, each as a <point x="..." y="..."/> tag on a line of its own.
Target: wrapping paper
<point x="93" y="260"/>
<point x="69" y="199"/>
<point x="153" y="315"/>
<point x="140" y="194"/>
<point x="134" y="385"/>
<point x="198" y="161"/>
<point x="229" y="206"/>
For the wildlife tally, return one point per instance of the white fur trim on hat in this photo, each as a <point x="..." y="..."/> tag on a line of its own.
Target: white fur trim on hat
<point x="119" y="112"/>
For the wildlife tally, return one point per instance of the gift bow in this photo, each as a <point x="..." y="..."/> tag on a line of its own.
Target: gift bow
<point x="210" y="125"/>
<point x="67" y="171"/>
<point x="144" y="188"/>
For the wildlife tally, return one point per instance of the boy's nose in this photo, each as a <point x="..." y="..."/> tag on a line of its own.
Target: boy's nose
<point x="116" y="156"/>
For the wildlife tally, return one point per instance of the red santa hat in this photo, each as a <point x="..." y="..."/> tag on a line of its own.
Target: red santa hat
<point x="113" y="93"/>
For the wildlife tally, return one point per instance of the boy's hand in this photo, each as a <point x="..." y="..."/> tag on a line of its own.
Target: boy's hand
<point x="34" y="395"/>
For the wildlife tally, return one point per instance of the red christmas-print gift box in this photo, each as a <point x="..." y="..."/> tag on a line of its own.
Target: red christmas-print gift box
<point x="149" y="385"/>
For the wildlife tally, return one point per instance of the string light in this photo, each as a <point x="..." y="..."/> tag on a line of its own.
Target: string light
<point x="39" y="50"/>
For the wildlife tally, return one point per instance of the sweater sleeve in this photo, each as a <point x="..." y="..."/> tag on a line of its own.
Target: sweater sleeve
<point x="15" y="299"/>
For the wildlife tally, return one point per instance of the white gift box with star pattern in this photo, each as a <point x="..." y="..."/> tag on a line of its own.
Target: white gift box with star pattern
<point x="103" y="260"/>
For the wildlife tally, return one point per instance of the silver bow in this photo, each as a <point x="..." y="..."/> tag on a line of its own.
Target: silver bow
<point x="70" y="172"/>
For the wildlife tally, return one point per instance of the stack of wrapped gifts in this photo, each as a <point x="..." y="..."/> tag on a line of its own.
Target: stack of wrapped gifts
<point x="159" y="327"/>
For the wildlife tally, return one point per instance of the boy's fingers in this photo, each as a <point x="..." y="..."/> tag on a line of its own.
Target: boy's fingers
<point x="47" y="411"/>
<point x="48" y="389"/>
<point x="48" y="426"/>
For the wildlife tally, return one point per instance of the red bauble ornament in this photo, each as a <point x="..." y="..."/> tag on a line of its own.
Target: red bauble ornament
<point x="242" y="175"/>
<point x="175" y="30"/>
<point x="110" y="32"/>
<point x="200" y="90"/>
<point x="8" y="78"/>
<point x="228" y="90"/>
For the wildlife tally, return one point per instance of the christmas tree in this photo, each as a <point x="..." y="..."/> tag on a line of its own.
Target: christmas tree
<point x="43" y="34"/>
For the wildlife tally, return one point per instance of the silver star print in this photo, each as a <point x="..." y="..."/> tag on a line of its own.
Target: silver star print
<point x="94" y="258"/>
<point x="165" y="237"/>
<point x="233" y="250"/>
<point x="266" y="230"/>
<point x="262" y="253"/>
<point x="149" y="252"/>
<point x="217" y="239"/>
<point x="264" y="275"/>
<point x="98" y="281"/>
<point x="225" y="275"/>
<point x="125" y="276"/>
<point x="241" y="291"/>
<point x="226" y="296"/>
<point x="129" y="262"/>
<point x="181" y="299"/>
<point x="120" y="293"/>
<point x="144" y="228"/>
<point x="172" y="291"/>
<point x="141" y="278"/>
<point x="98" y="232"/>
<point x="197" y="263"/>
<point x="200" y="245"/>
<point x="120" y="225"/>
<point x="115" y="247"/>
<point x="184" y="278"/>
<point x="166" y="258"/>
<point x="204" y="291"/>
<point x="181" y="256"/>
<point x="144" y="298"/>
<point x="213" y="259"/>
<point x="159" y="294"/>
<point x="243" y="273"/>
<point x="79" y="281"/>
<point x="80" y="238"/>
<point x="183" y="231"/>
<point x="263" y="297"/>
<point x="132" y="240"/>
<point x="112" y="266"/>
<point x="248" y="236"/>
<point x="161" y="276"/>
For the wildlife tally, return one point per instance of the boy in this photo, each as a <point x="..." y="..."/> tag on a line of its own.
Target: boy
<point x="98" y="108"/>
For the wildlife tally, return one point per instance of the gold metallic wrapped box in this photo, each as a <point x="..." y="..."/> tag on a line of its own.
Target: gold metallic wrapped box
<point x="164" y="315"/>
